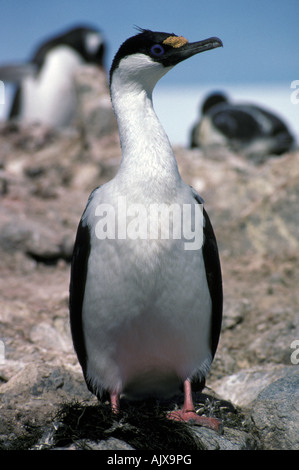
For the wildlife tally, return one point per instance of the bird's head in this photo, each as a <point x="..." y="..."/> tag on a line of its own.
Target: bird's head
<point x="149" y="55"/>
<point x="89" y="43"/>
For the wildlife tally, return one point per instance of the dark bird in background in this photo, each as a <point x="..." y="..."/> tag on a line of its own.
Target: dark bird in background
<point x="244" y="128"/>
<point x="45" y="90"/>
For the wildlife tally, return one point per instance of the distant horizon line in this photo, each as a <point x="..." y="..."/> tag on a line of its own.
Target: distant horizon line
<point x="222" y="83"/>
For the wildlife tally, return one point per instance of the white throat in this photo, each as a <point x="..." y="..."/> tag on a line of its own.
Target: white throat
<point x="146" y="150"/>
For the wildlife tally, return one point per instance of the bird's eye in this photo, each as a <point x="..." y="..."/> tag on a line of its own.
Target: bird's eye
<point x="157" y="50"/>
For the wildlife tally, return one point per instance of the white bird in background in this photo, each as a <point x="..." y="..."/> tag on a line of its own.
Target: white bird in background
<point x="145" y="311"/>
<point x="45" y="85"/>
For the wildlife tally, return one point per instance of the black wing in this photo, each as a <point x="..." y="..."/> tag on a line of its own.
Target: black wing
<point x="214" y="279"/>
<point x="16" y="103"/>
<point x="79" y="268"/>
<point x="77" y="288"/>
<point x="235" y="123"/>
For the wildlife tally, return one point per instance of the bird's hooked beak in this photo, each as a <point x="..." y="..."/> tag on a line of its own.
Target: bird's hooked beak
<point x="180" y="49"/>
<point x="191" y="48"/>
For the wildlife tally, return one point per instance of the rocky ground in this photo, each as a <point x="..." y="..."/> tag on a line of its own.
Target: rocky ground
<point x="45" y="179"/>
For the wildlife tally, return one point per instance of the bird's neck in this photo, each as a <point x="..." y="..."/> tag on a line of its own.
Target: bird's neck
<point x="146" y="151"/>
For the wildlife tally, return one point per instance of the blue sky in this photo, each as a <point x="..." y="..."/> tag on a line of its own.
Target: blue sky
<point x="260" y="40"/>
<point x="260" y="36"/>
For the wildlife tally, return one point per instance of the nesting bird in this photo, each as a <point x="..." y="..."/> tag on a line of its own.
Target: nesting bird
<point x="146" y="288"/>
<point x="245" y="128"/>
<point x="45" y="85"/>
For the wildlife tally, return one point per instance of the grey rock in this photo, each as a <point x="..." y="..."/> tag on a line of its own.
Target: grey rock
<point x="244" y="386"/>
<point x="275" y="413"/>
<point x="274" y="344"/>
<point x="109" y="444"/>
<point x="49" y="337"/>
<point x="231" y="439"/>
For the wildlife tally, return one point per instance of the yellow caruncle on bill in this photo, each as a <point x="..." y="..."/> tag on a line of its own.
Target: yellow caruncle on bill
<point x="175" y="41"/>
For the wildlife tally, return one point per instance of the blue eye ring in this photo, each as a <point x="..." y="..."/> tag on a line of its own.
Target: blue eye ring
<point x="157" y="50"/>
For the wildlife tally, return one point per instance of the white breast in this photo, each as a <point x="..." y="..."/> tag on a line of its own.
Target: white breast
<point x="146" y="314"/>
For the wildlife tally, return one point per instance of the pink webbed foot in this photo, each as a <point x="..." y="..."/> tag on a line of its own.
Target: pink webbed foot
<point x="188" y="414"/>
